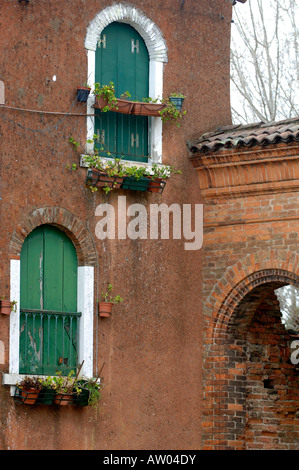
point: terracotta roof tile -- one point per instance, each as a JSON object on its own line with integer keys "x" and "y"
{"x": 248, "y": 135}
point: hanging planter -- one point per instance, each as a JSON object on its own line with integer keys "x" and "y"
{"x": 177, "y": 100}
{"x": 105, "y": 306}
{"x": 100, "y": 179}
{"x": 83, "y": 94}
{"x": 105, "y": 309}
{"x": 28, "y": 390}
{"x": 117, "y": 106}
{"x": 7, "y": 306}
{"x": 147, "y": 109}
{"x": 134, "y": 184}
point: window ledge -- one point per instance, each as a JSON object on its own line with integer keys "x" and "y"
{"x": 128, "y": 163}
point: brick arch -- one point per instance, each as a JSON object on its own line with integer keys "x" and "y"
{"x": 65, "y": 221}
{"x": 279, "y": 268}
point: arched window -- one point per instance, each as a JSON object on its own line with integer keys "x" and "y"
{"x": 151, "y": 36}
{"x": 49, "y": 321}
{"x": 122, "y": 58}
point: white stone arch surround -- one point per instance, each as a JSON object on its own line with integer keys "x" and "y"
{"x": 157, "y": 49}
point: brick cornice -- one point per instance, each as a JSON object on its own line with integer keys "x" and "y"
{"x": 232, "y": 173}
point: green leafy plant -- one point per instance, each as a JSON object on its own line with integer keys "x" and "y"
{"x": 108, "y": 297}
{"x": 177, "y": 95}
{"x": 171, "y": 114}
{"x": 93, "y": 387}
{"x": 163, "y": 171}
{"x": 107, "y": 92}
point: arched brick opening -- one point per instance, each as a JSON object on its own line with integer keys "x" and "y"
{"x": 65, "y": 221}
{"x": 250, "y": 384}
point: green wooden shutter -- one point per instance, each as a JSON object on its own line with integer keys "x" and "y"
{"x": 122, "y": 58}
{"x": 48, "y": 302}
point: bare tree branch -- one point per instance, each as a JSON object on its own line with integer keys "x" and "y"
{"x": 265, "y": 61}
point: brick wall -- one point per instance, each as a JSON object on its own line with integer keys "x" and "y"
{"x": 250, "y": 249}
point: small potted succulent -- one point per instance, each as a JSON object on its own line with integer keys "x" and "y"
{"x": 105, "y": 306}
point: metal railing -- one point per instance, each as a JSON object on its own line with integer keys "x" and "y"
{"x": 48, "y": 341}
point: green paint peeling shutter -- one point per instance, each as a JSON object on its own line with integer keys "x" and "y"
{"x": 48, "y": 302}
{"x": 122, "y": 58}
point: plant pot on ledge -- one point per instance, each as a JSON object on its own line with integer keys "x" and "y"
{"x": 134, "y": 184}
{"x": 156, "y": 185}
{"x": 100, "y": 179}
{"x": 7, "y": 306}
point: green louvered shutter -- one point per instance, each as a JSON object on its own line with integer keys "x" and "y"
{"x": 122, "y": 58}
{"x": 48, "y": 303}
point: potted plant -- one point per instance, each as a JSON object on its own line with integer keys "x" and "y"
{"x": 104, "y": 174}
{"x": 66, "y": 388}
{"x": 105, "y": 306}
{"x": 7, "y": 306}
{"x": 48, "y": 392}
{"x": 171, "y": 113}
{"x": 83, "y": 93}
{"x": 107, "y": 101}
{"x": 90, "y": 392}
{"x": 28, "y": 390}
{"x": 158, "y": 176}
{"x": 177, "y": 100}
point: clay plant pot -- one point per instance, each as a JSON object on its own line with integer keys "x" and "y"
{"x": 29, "y": 396}
{"x": 156, "y": 185}
{"x": 5, "y": 308}
{"x": 105, "y": 309}
{"x": 147, "y": 109}
{"x": 64, "y": 399}
{"x": 122, "y": 106}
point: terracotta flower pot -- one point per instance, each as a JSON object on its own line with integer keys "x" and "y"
{"x": 122, "y": 106}
{"x": 147, "y": 109}
{"x": 105, "y": 309}
{"x": 156, "y": 185}
{"x": 29, "y": 395}
{"x": 5, "y": 308}
{"x": 64, "y": 399}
